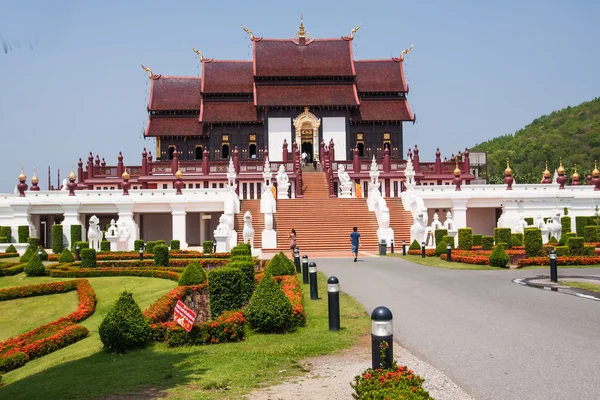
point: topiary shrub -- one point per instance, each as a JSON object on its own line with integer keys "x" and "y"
{"x": 247, "y": 268}
{"x": 269, "y": 309}
{"x": 42, "y": 254}
{"x": 161, "y": 255}
{"x": 225, "y": 289}
{"x": 75, "y": 235}
{"x": 589, "y": 251}
{"x": 561, "y": 251}
{"x": 6, "y": 232}
{"x": 590, "y": 234}
{"x": 533, "y": 242}
{"x": 502, "y": 235}
{"x": 415, "y": 245}
{"x": 439, "y": 235}
{"x": 23, "y": 233}
{"x": 88, "y": 258}
{"x": 565, "y": 222}
{"x": 28, "y": 253}
{"x": 4, "y": 239}
{"x": 34, "y": 267}
{"x": 499, "y": 258}
{"x": 192, "y": 275}
{"x": 33, "y": 242}
{"x": 465, "y": 238}
{"x": 242, "y": 258}
{"x": 449, "y": 240}
{"x": 105, "y": 245}
{"x": 518, "y": 236}
{"x": 242, "y": 249}
{"x": 138, "y": 244}
{"x": 487, "y": 242}
{"x": 575, "y": 245}
{"x": 175, "y": 244}
{"x": 280, "y": 265}
{"x": 477, "y": 240}
{"x": 515, "y": 241}
{"x": 440, "y": 247}
{"x": 529, "y": 221}
{"x": 82, "y": 245}
{"x": 503, "y": 245}
{"x": 207, "y": 247}
{"x": 581, "y": 222}
{"x": 11, "y": 249}
{"x": 124, "y": 327}
{"x": 66, "y": 257}
{"x": 57, "y": 238}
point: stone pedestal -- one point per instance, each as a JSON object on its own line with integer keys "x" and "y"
{"x": 282, "y": 191}
{"x": 222, "y": 243}
{"x": 346, "y": 191}
{"x": 269, "y": 239}
{"x": 113, "y": 242}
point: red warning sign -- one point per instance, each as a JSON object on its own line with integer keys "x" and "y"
{"x": 184, "y": 316}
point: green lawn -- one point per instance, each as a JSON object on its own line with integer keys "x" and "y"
{"x": 592, "y": 287}
{"x": 223, "y": 371}
{"x": 438, "y": 263}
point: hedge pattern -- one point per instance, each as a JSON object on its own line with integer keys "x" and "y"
{"x": 161, "y": 255}
{"x": 75, "y": 235}
{"x": 439, "y": 235}
{"x": 225, "y": 289}
{"x": 465, "y": 238}
{"x": 533, "y": 242}
{"x": 502, "y": 235}
{"x": 487, "y": 242}
{"x": 57, "y": 238}
{"x": 23, "y": 233}
{"x": 175, "y": 245}
{"x": 88, "y": 258}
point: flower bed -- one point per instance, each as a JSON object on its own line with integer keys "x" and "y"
{"x": 228, "y": 327}
{"x": 515, "y": 254}
{"x": 428, "y": 252}
{"x": 161, "y": 309}
{"x": 97, "y": 272}
{"x": 397, "y": 382}
{"x": 9, "y": 269}
{"x": 578, "y": 260}
{"x": 50, "y": 337}
{"x": 9, "y": 255}
{"x": 207, "y": 264}
{"x": 477, "y": 260}
{"x": 135, "y": 255}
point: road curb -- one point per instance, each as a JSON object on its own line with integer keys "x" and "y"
{"x": 543, "y": 282}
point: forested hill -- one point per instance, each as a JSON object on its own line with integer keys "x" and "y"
{"x": 572, "y": 133}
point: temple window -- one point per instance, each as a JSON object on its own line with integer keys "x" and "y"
{"x": 164, "y": 186}
{"x": 171, "y": 150}
{"x": 252, "y": 146}
{"x": 199, "y": 150}
{"x": 225, "y": 151}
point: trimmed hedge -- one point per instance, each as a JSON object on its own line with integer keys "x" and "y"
{"x": 151, "y": 245}
{"x": 75, "y": 235}
{"x": 589, "y": 251}
{"x": 193, "y": 274}
{"x": 448, "y": 240}
{"x": 57, "y": 238}
{"x": 529, "y": 221}
{"x": 34, "y": 267}
{"x": 105, "y": 245}
{"x": 174, "y": 244}
{"x": 565, "y": 222}
{"x": 88, "y": 258}
{"x": 161, "y": 255}
{"x": 138, "y": 244}
{"x": 575, "y": 245}
{"x": 487, "y": 242}
{"x": 11, "y": 249}
{"x": 440, "y": 247}
{"x": 533, "y": 242}
{"x": 242, "y": 258}
{"x": 33, "y": 241}
{"x": 465, "y": 238}
{"x": 225, "y": 289}
{"x": 553, "y": 240}
{"x": 561, "y": 251}
{"x": 82, "y": 245}
{"x": 279, "y": 265}
{"x": 124, "y": 327}
{"x": 269, "y": 309}
{"x": 23, "y": 233}
{"x": 515, "y": 241}
{"x": 242, "y": 249}
{"x": 247, "y": 268}
{"x": 499, "y": 258}
{"x": 591, "y": 234}
{"x": 415, "y": 245}
{"x": 502, "y": 235}
{"x": 66, "y": 257}
{"x": 207, "y": 246}
{"x": 477, "y": 240}
{"x": 580, "y": 224}
{"x": 439, "y": 235}
{"x": 6, "y": 232}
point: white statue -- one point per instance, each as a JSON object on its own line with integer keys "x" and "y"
{"x": 267, "y": 175}
{"x": 222, "y": 235}
{"x": 554, "y": 226}
{"x": 268, "y": 206}
{"x": 231, "y": 206}
{"x": 435, "y": 224}
{"x": 374, "y": 172}
{"x": 248, "y": 232}
{"x": 409, "y": 173}
{"x": 64, "y": 185}
{"x": 222, "y": 228}
{"x": 418, "y": 230}
{"x": 283, "y": 183}
{"x": 521, "y": 225}
{"x": 112, "y": 229}
{"x": 449, "y": 223}
{"x": 345, "y": 182}
{"x": 124, "y": 236}
{"x": 231, "y": 176}
{"x": 94, "y": 233}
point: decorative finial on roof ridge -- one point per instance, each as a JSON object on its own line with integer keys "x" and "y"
{"x": 148, "y": 70}
{"x": 354, "y": 31}
{"x": 404, "y": 52}
{"x": 301, "y": 32}
{"x": 248, "y": 31}
{"x": 199, "y": 53}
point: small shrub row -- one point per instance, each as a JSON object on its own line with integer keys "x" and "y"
{"x": 396, "y": 382}
{"x": 477, "y": 260}
{"x": 502, "y": 235}
{"x": 12, "y": 269}
{"x": 428, "y": 252}
{"x": 580, "y": 260}
{"x": 57, "y": 238}
{"x": 75, "y": 235}
{"x": 465, "y": 238}
{"x": 98, "y": 272}
{"x": 161, "y": 309}
{"x": 229, "y": 327}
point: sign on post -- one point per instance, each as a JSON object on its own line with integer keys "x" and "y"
{"x": 184, "y": 316}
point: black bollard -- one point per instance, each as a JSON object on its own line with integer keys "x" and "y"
{"x": 382, "y": 338}
{"x": 305, "y": 269}
{"x": 77, "y": 250}
{"x": 423, "y": 250}
{"x": 141, "y": 253}
{"x": 392, "y": 245}
{"x": 448, "y": 252}
{"x": 214, "y": 246}
{"x": 403, "y": 247}
{"x": 314, "y": 290}
{"x": 553, "y": 269}
{"x": 333, "y": 303}
{"x": 40, "y": 254}
{"x": 297, "y": 260}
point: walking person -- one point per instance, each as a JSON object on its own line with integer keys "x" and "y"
{"x": 355, "y": 239}
{"x": 292, "y": 237}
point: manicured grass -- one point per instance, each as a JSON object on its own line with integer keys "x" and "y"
{"x": 22, "y": 315}
{"x": 438, "y": 263}
{"x": 222, "y": 371}
{"x": 592, "y": 287}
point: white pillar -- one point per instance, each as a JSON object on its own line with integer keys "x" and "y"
{"x": 71, "y": 214}
{"x": 20, "y": 217}
{"x": 179, "y": 224}
{"x": 459, "y": 213}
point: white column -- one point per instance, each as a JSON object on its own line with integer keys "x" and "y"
{"x": 202, "y": 228}
{"x": 179, "y": 224}
{"x": 510, "y": 214}
{"x": 459, "y": 213}
{"x": 71, "y": 214}
{"x": 20, "y": 217}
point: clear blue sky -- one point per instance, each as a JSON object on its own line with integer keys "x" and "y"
{"x": 71, "y": 83}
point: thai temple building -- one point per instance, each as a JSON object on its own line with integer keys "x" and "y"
{"x": 302, "y": 136}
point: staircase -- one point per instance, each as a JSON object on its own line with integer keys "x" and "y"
{"x": 258, "y": 221}
{"x": 400, "y": 221}
{"x": 314, "y": 185}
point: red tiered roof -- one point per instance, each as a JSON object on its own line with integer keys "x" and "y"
{"x": 173, "y": 126}
{"x": 228, "y": 111}
{"x": 320, "y": 57}
{"x": 384, "y": 110}
{"x": 227, "y": 77}
{"x": 174, "y": 93}
{"x": 379, "y": 76}
{"x": 306, "y": 95}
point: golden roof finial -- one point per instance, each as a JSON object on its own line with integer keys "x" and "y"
{"x": 404, "y": 52}
{"x": 148, "y": 70}
{"x": 125, "y": 175}
{"x": 34, "y": 178}
{"x": 595, "y": 172}
{"x": 546, "y": 172}
{"x": 301, "y": 32}
{"x": 456, "y": 170}
{"x": 248, "y": 31}
{"x": 508, "y": 170}
{"x": 179, "y": 174}
{"x": 575, "y": 173}
{"x": 561, "y": 168}
{"x": 199, "y": 53}
{"x": 72, "y": 175}
{"x": 354, "y": 31}
{"x": 22, "y": 176}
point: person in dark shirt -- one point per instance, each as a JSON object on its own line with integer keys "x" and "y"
{"x": 355, "y": 239}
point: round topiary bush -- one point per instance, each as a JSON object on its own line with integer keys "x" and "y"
{"x": 192, "y": 275}
{"x": 269, "y": 309}
{"x": 440, "y": 248}
{"x": 280, "y": 265}
{"x": 415, "y": 245}
{"x": 161, "y": 255}
{"x": 499, "y": 258}
{"x": 66, "y": 256}
{"x": 34, "y": 267}
{"x": 124, "y": 327}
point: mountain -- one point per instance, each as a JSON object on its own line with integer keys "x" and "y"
{"x": 572, "y": 133}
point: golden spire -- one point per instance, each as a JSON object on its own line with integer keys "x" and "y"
{"x": 507, "y": 171}
{"x": 72, "y": 175}
{"x": 179, "y": 174}
{"x": 404, "y": 52}
{"x": 595, "y": 172}
{"x": 546, "y": 172}
{"x": 354, "y": 31}
{"x": 125, "y": 174}
{"x": 301, "y": 32}
{"x": 561, "y": 168}
{"x": 148, "y": 70}
{"x": 456, "y": 170}
{"x": 22, "y": 176}
{"x": 199, "y": 53}
{"x": 575, "y": 173}
{"x": 248, "y": 31}
{"x": 34, "y": 179}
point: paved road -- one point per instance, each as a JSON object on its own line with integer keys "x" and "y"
{"x": 496, "y": 339}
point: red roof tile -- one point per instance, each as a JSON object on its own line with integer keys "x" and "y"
{"x": 306, "y": 95}
{"x": 228, "y": 111}
{"x": 379, "y": 76}
{"x": 321, "y": 57}
{"x": 173, "y": 126}
{"x": 384, "y": 110}
{"x": 227, "y": 77}
{"x": 174, "y": 93}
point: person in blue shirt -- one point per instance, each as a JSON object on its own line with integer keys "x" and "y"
{"x": 355, "y": 239}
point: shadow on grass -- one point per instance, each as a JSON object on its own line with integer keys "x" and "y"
{"x": 149, "y": 371}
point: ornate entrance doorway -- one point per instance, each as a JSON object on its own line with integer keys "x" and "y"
{"x": 307, "y": 134}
